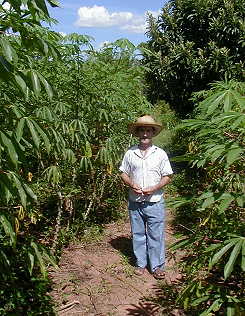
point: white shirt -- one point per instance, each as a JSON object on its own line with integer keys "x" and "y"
{"x": 146, "y": 170}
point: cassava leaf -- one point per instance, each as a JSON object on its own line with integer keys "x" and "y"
{"x": 232, "y": 259}
{"x": 222, "y": 251}
{"x": 8, "y": 229}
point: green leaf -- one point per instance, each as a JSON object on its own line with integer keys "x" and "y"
{"x": 243, "y": 256}
{"x": 8, "y": 50}
{"x": 20, "y": 129}
{"x": 53, "y": 174}
{"x": 54, "y": 3}
{"x": 35, "y": 81}
{"x": 21, "y": 83}
{"x": 207, "y": 202}
{"x": 212, "y": 247}
{"x": 216, "y": 100}
{"x": 7, "y": 186}
{"x": 50, "y": 259}
{"x": 227, "y": 102}
{"x": 33, "y": 132}
{"x": 225, "y": 202}
{"x": 9, "y": 147}
{"x": 180, "y": 244}
{"x": 88, "y": 150}
{"x": 42, "y": 6}
{"x": 8, "y": 229}
{"x": 200, "y": 300}
{"x": 47, "y": 86}
{"x": 239, "y": 122}
{"x": 5, "y": 260}
{"x": 6, "y": 67}
{"x": 221, "y": 252}
{"x": 43, "y": 135}
{"x": 214, "y": 307}
{"x": 232, "y": 260}
{"x": 233, "y": 155}
{"x": 231, "y": 311}
{"x": 85, "y": 164}
{"x": 31, "y": 262}
{"x": 29, "y": 191}
{"x": 124, "y": 44}
{"x": 21, "y": 191}
{"x": 39, "y": 259}
{"x": 69, "y": 156}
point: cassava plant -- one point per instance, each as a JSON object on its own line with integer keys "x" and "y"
{"x": 59, "y": 144}
{"x": 215, "y": 247}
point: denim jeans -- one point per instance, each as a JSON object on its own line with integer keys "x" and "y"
{"x": 147, "y": 226}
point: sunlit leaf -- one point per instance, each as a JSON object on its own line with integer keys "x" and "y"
{"x": 243, "y": 257}
{"x": 8, "y": 50}
{"x": 31, "y": 262}
{"x": 233, "y": 155}
{"x": 39, "y": 259}
{"x": 21, "y": 82}
{"x": 232, "y": 259}
{"x": 33, "y": 132}
{"x": 222, "y": 251}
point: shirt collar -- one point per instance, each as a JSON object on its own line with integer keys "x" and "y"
{"x": 151, "y": 150}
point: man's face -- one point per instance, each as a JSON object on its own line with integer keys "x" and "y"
{"x": 145, "y": 134}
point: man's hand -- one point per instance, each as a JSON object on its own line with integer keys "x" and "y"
{"x": 149, "y": 190}
{"x": 136, "y": 188}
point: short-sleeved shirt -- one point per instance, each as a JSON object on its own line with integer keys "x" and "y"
{"x": 146, "y": 170}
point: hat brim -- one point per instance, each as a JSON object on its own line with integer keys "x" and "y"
{"x": 132, "y": 128}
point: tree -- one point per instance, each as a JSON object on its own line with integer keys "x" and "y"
{"x": 191, "y": 44}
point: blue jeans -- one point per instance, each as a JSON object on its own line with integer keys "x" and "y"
{"x": 147, "y": 226}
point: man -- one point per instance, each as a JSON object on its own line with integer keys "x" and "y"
{"x": 146, "y": 170}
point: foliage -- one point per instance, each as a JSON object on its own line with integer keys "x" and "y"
{"x": 63, "y": 110}
{"x": 20, "y": 258}
{"x": 191, "y": 44}
{"x": 214, "y": 263}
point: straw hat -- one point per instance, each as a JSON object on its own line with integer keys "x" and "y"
{"x": 145, "y": 121}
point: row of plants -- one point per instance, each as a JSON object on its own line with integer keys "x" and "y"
{"x": 195, "y": 62}
{"x": 64, "y": 108}
{"x": 211, "y": 212}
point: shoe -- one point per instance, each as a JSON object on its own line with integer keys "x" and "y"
{"x": 158, "y": 274}
{"x": 139, "y": 271}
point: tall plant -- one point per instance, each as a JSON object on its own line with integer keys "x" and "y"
{"x": 59, "y": 142}
{"x": 21, "y": 134}
{"x": 215, "y": 254}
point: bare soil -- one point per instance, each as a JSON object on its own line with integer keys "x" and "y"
{"x": 97, "y": 279}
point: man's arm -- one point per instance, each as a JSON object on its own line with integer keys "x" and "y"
{"x": 127, "y": 180}
{"x": 164, "y": 181}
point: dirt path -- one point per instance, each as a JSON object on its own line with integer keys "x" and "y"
{"x": 97, "y": 279}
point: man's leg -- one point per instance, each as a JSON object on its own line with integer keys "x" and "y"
{"x": 155, "y": 235}
{"x": 138, "y": 232}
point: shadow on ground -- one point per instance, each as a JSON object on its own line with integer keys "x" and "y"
{"x": 124, "y": 245}
{"x": 144, "y": 309}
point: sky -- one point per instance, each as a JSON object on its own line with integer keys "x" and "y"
{"x": 105, "y": 20}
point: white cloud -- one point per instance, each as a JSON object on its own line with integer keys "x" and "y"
{"x": 134, "y": 28}
{"x": 99, "y": 16}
